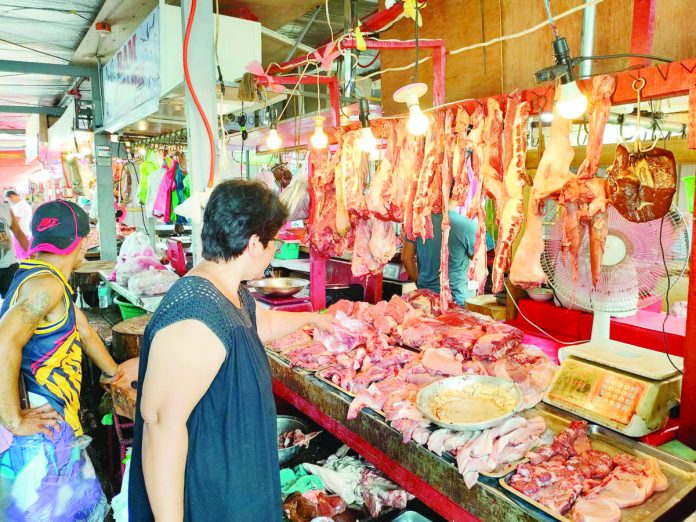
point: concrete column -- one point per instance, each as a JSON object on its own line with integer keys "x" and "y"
{"x": 105, "y": 183}
{"x": 203, "y": 75}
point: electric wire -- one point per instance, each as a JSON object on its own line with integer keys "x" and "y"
{"x": 547, "y": 334}
{"x": 548, "y": 11}
{"x": 197, "y": 103}
{"x": 669, "y": 286}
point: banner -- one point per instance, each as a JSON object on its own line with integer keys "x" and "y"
{"x": 131, "y": 79}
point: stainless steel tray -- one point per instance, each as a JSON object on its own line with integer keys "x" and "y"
{"x": 427, "y": 394}
{"x": 681, "y": 475}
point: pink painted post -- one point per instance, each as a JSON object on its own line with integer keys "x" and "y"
{"x": 439, "y": 54}
{"x": 317, "y": 278}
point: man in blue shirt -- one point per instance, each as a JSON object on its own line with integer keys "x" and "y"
{"x": 421, "y": 259}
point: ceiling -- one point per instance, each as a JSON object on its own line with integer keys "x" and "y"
{"x": 63, "y": 32}
{"x": 46, "y": 31}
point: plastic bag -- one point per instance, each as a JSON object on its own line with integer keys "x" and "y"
{"x": 137, "y": 244}
{"x": 119, "y": 503}
{"x": 50, "y": 479}
{"x": 136, "y": 265}
{"x": 266, "y": 177}
{"x": 296, "y": 197}
{"x": 152, "y": 282}
{"x": 136, "y": 255}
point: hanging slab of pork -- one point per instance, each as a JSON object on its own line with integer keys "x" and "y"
{"x": 551, "y": 176}
{"x": 584, "y": 198}
{"x": 642, "y": 184}
{"x": 514, "y": 178}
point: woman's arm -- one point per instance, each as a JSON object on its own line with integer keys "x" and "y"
{"x": 176, "y": 378}
{"x": 272, "y": 325}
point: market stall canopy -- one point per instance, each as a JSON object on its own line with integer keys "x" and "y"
{"x": 14, "y": 170}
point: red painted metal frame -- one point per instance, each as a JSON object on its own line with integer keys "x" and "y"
{"x": 642, "y": 30}
{"x": 374, "y": 22}
{"x": 412, "y": 483}
{"x": 439, "y": 54}
{"x": 332, "y": 82}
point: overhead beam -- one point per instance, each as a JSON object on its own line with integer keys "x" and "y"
{"x": 51, "y": 69}
{"x": 32, "y": 109}
{"x": 284, "y": 39}
{"x": 302, "y": 34}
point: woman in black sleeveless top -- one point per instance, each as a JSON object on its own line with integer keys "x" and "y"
{"x": 205, "y": 444}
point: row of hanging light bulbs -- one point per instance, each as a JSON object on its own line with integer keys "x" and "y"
{"x": 417, "y": 121}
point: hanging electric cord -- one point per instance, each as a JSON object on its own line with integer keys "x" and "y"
{"x": 527, "y": 31}
{"x": 293, "y": 92}
{"x": 328, "y": 19}
{"x": 192, "y": 91}
{"x": 553, "y": 24}
{"x": 539, "y": 327}
{"x": 369, "y": 64}
{"x": 669, "y": 286}
{"x": 416, "y": 18}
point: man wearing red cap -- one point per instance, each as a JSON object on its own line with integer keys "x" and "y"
{"x": 42, "y": 337}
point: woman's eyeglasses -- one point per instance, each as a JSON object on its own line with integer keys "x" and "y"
{"x": 278, "y": 244}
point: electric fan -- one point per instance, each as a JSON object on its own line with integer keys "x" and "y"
{"x": 618, "y": 385}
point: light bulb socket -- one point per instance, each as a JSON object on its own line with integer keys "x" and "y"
{"x": 561, "y": 53}
{"x": 364, "y": 113}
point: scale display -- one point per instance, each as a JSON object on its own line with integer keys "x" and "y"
{"x": 602, "y": 392}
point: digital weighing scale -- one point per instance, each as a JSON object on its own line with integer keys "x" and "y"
{"x": 620, "y": 386}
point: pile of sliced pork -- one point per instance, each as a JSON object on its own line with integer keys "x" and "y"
{"x": 385, "y": 353}
{"x": 569, "y": 475}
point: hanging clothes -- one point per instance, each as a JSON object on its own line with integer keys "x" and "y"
{"x": 153, "y": 185}
{"x": 150, "y": 164}
{"x": 163, "y": 202}
{"x": 178, "y": 195}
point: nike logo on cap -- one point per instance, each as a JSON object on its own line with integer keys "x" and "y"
{"x": 47, "y": 223}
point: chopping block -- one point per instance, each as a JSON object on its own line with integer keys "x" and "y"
{"x": 128, "y": 337}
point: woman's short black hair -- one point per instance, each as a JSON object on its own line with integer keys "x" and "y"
{"x": 238, "y": 209}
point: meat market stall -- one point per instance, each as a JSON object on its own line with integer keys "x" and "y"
{"x": 471, "y": 151}
{"x": 362, "y": 384}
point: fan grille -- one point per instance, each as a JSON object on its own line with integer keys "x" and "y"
{"x": 636, "y": 281}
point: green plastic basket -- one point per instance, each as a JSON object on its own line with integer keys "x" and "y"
{"x": 128, "y": 310}
{"x": 689, "y": 186}
{"x": 289, "y": 251}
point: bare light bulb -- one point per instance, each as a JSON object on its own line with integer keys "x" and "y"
{"x": 273, "y": 141}
{"x": 417, "y": 121}
{"x": 319, "y": 139}
{"x": 572, "y": 103}
{"x": 368, "y": 142}
{"x": 546, "y": 117}
{"x": 142, "y": 151}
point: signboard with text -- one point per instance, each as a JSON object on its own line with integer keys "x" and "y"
{"x": 131, "y": 79}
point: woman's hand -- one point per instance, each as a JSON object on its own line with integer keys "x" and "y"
{"x": 324, "y": 322}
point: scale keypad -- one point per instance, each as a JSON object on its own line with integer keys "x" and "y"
{"x": 604, "y": 393}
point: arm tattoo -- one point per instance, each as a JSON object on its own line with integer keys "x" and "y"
{"x": 35, "y": 310}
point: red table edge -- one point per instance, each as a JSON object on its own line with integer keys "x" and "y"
{"x": 415, "y": 485}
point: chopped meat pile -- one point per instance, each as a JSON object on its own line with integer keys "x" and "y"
{"x": 365, "y": 357}
{"x": 295, "y": 438}
{"x": 569, "y": 474}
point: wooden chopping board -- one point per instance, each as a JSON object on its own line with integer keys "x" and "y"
{"x": 487, "y": 305}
